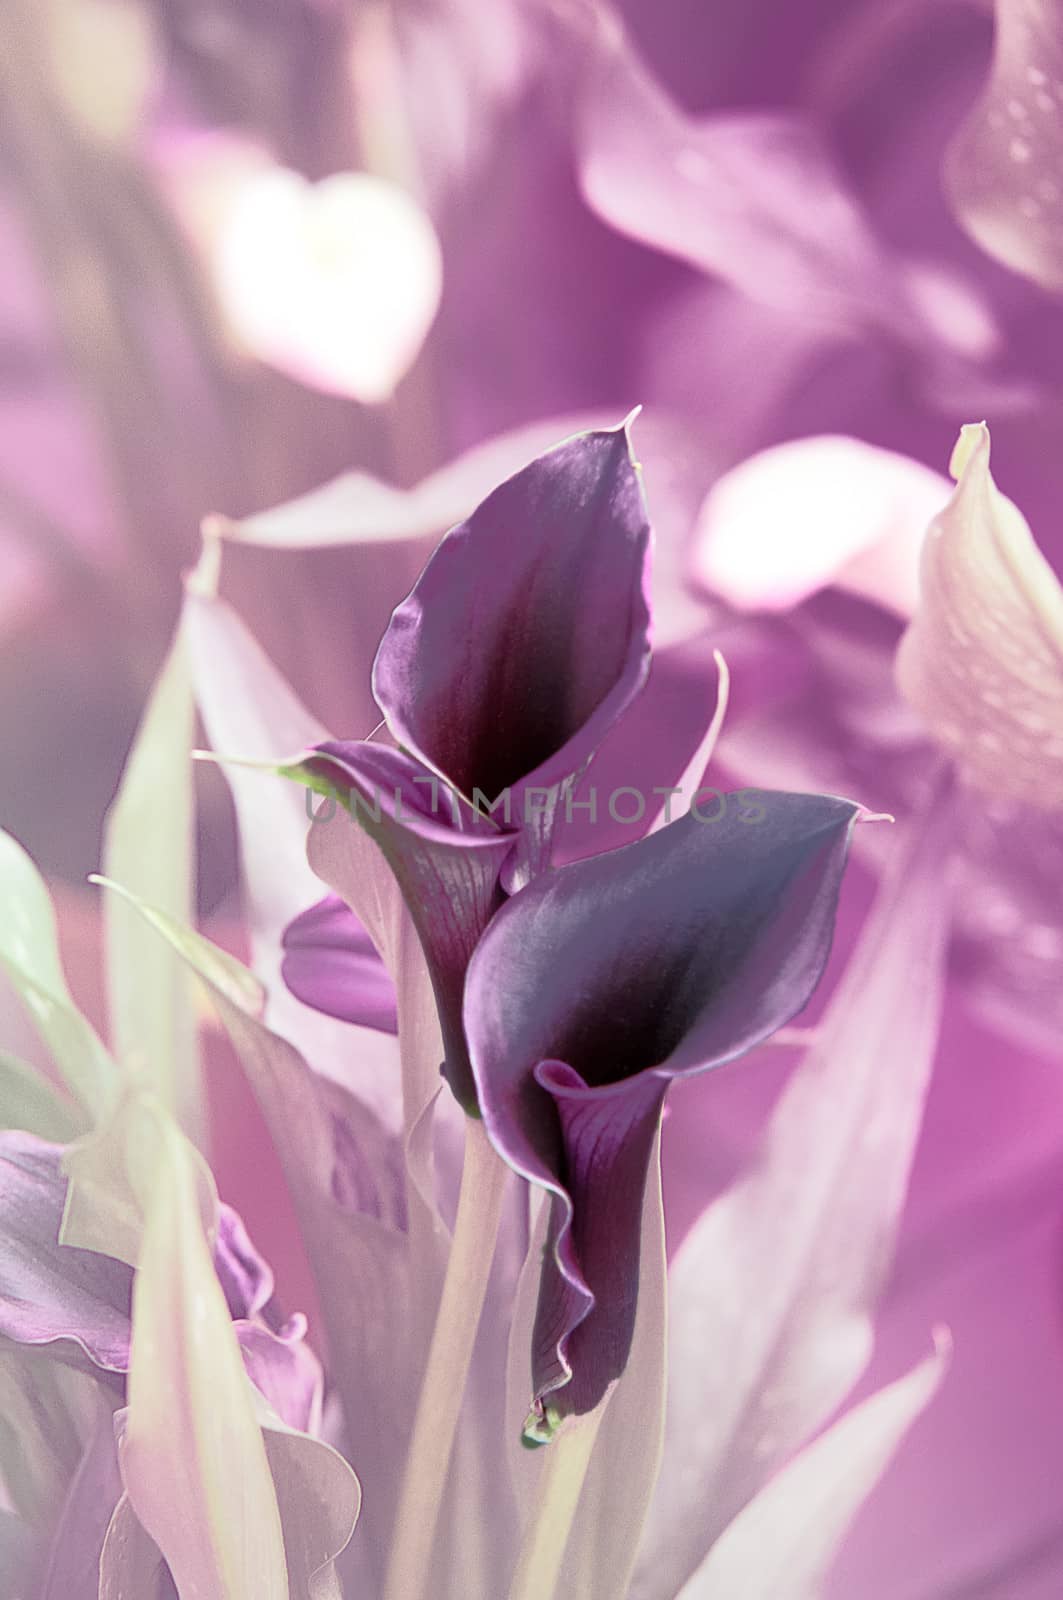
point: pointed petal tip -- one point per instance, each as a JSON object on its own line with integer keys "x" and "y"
{"x": 972, "y": 442}
{"x": 204, "y": 578}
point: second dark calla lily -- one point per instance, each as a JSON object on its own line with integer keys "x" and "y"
{"x": 597, "y": 986}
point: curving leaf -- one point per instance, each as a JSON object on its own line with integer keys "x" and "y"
{"x": 29, "y": 951}
{"x": 17, "y": 1555}
{"x": 319, "y": 1499}
{"x": 351, "y": 1207}
{"x": 72, "y": 1568}
{"x": 148, "y": 845}
{"x": 251, "y": 712}
{"x": 48, "y": 1412}
{"x": 1002, "y": 172}
{"x": 28, "y": 1101}
{"x": 785, "y": 1539}
{"x": 772, "y": 1290}
{"x": 982, "y": 662}
{"x": 358, "y": 509}
{"x": 192, "y": 1458}
{"x": 111, "y": 1174}
{"x": 131, "y": 1563}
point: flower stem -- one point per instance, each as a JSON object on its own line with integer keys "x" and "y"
{"x": 560, "y": 1487}
{"x": 483, "y": 1182}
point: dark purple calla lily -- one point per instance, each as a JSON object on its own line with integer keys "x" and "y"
{"x": 590, "y": 992}
{"x": 80, "y": 1302}
{"x": 330, "y": 963}
{"x": 527, "y": 634}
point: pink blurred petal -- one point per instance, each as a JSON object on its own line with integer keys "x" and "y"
{"x": 983, "y": 660}
{"x": 192, "y": 1434}
{"x": 813, "y": 512}
{"x": 334, "y": 283}
{"x": 1003, "y": 172}
{"x": 753, "y": 198}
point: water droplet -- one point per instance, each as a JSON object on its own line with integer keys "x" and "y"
{"x": 1017, "y": 111}
{"x": 1030, "y": 207}
{"x": 1019, "y": 150}
{"x": 1036, "y": 76}
{"x": 1044, "y": 101}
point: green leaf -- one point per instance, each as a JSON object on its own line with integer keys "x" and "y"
{"x": 29, "y": 953}
{"x": 28, "y": 1101}
{"x": 149, "y": 847}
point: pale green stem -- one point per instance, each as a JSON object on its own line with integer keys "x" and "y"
{"x": 560, "y": 1487}
{"x": 483, "y": 1182}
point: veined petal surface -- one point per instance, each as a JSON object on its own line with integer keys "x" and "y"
{"x": 982, "y": 662}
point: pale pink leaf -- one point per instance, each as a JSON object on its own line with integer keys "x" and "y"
{"x": 772, "y": 1291}
{"x": 784, "y": 1541}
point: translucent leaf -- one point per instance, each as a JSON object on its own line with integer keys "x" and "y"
{"x": 193, "y": 1459}
{"x": 251, "y": 713}
{"x": 148, "y": 846}
{"x": 29, "y": 951}
{"x": 351, "y": 1210}
{"x": 772, "y": 1290}
{"x": 47, "y": 1415}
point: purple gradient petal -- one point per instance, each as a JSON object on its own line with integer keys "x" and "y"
{"x": 445, "y": 857}
{"x": 51, "y": 1292}
{"x": 246, "y": 1278}
{"x": 283, "y": 1369}
{"x": 607, "y": 1140}
{"x": 330, "y": 963}
{"x": 527, "y": 634}
{"x": 599, "y": 984}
